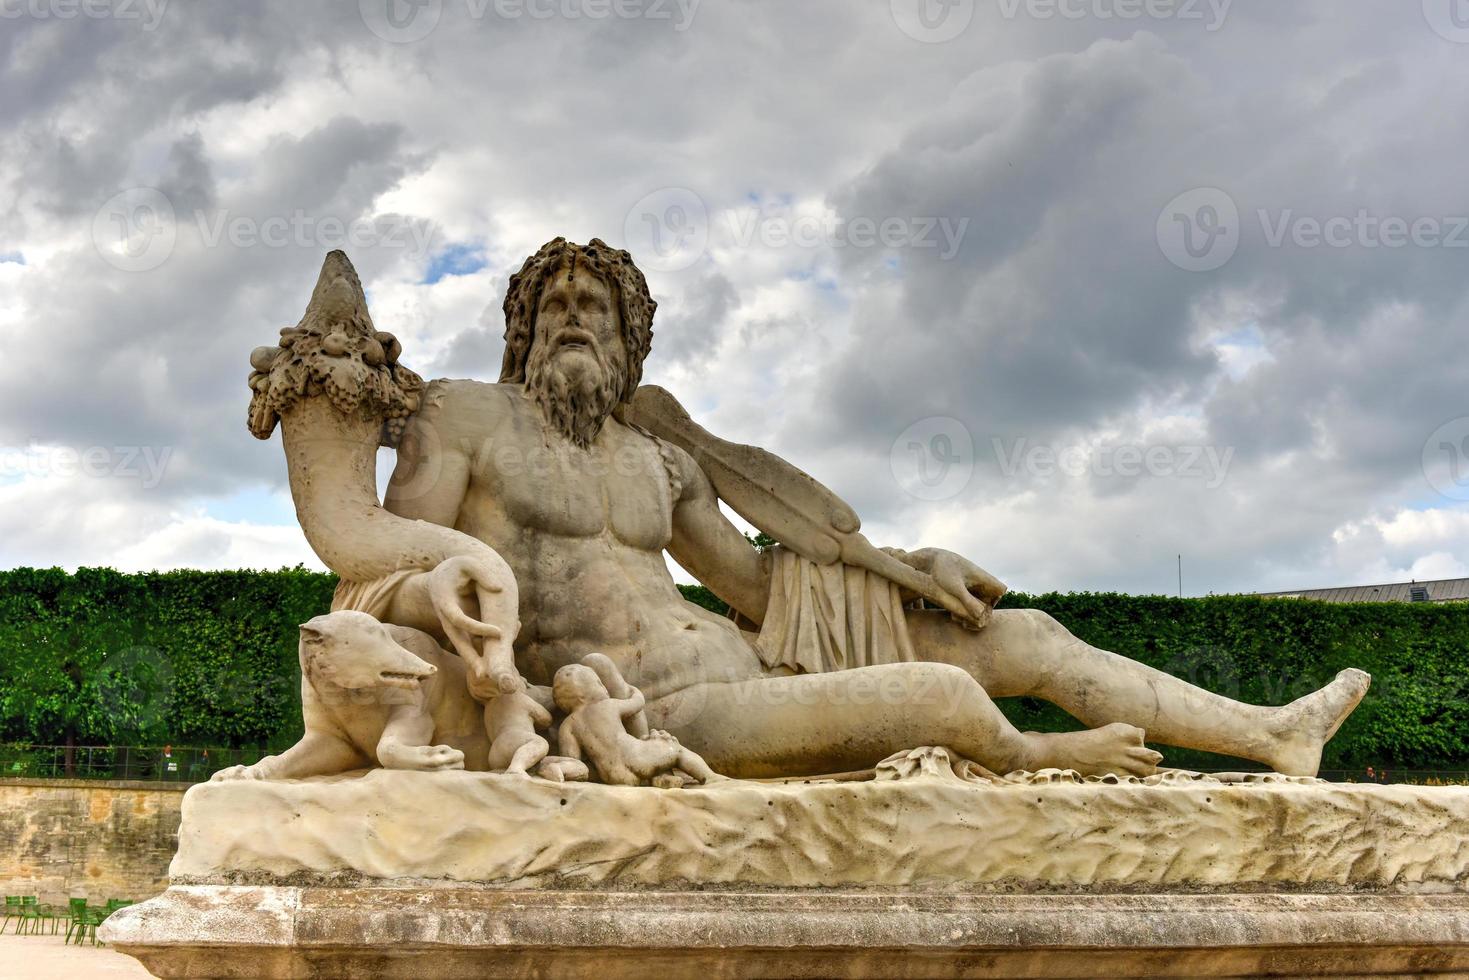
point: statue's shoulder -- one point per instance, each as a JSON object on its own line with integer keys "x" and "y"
{"x": 462, "y": 404}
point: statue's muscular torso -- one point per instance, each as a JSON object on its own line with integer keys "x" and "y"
{"x": 583, "y": 531}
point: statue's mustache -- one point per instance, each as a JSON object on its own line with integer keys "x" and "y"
{"x": 575, "y": 336}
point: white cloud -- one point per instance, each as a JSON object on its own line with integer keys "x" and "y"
{"x": 1058, "y": 320}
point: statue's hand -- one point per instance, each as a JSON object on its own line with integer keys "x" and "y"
{"x": 974, "y": 588}
{"x": 459, "y": 589}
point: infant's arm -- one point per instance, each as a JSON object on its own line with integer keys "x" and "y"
{"x": 539, "y": 716}
{"x": 566, "y": 743}
{"x": 630, "y": 705}
{"x": 618, "y": 688}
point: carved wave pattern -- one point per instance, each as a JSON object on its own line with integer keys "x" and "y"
{"x": 926, "y": 832}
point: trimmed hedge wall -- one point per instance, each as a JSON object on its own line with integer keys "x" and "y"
{"x": 210, "y": 658}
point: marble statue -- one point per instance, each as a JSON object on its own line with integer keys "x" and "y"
{"x": 560, "y": 488}
{"x": 543, "y": 724}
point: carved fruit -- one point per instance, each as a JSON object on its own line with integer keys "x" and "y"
{"x": 373, "y": 354}
{"x": 391, "y": 346}
{"x": 263, "y": 358}
{"x": 335, "y": 344}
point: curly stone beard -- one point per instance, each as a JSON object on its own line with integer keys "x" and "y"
{"x": 575, "y": 403}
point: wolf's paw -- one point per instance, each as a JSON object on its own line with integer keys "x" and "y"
{"x": 234, "y": 773}
{"x": 428, "y": 758}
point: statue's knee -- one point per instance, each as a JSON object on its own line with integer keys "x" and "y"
{"x": 942, "y": 689}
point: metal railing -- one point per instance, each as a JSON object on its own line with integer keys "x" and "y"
{"x": 175, "y": 763}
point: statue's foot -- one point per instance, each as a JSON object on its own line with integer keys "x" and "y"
{"x": 1116, "y": 748}
{"x": 1307, "y": 724}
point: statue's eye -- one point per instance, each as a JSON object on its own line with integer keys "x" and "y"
{"x": 554, "y": 305}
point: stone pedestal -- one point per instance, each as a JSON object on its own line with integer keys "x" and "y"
{"x": 451, "y": 933}
{"x": 395, "y": 874}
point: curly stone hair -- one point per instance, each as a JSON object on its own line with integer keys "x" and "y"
{"x": 614, "y": 267}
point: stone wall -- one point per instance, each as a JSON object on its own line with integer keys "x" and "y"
{"x": 61, "y": 838}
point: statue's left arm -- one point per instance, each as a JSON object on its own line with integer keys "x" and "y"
{"x": 712, "y": 549}
{"x": 804, "y": 516}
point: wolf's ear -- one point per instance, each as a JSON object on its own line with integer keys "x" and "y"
{"x": 311, "y": 636}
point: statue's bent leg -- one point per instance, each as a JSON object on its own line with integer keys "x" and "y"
{"x": 1026, "y": 652}
{"x": 852, "y": 719}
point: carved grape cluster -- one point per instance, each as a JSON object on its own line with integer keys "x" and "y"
{"x": 335, "y": 352}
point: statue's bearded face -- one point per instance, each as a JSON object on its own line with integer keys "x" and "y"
{"x": 577, "y": 367}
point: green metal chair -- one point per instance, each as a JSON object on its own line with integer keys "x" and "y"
{"x": 30, "y": 918}
{"x": 88, "y": 923}
{"x": 12, "y": 910}
{"x": 45, "y": 914}
{"x": 75, "y": 908}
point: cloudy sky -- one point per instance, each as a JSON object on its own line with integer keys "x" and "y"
{"x": 1069, "y": 286}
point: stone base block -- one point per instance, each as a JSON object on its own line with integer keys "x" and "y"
{"x": 449, "y": 933}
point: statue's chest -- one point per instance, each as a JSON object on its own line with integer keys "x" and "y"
{"x": 577, "y": 494}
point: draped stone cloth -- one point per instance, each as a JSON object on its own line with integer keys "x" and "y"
{"x": 831, "y": 617}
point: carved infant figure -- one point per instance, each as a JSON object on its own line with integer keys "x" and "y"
{"x": 377, "y": 695}
{"x": 595, "y": 727}
{"x": 511, "y": 720}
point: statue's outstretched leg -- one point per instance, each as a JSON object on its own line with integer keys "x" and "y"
{"x": 1026, "y": 652}
{"x": 852, "y": 719}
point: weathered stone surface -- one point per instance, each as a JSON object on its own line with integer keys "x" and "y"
{"x": 86, "y": 838}
{"x": 453, "y": 932}
{"x": 924, "y": 832}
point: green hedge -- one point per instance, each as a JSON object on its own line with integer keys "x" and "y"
{"x": 204, "y": 658}
{"x": 209, "y": 658}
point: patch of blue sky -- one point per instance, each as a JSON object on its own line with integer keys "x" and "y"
{"x": 456, "y": 259}
{"x": 255, "y": 505}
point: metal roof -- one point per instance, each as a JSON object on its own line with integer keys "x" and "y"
{"x": 1443, "y": 590}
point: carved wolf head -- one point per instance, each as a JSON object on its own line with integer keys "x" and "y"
{"x": 352, "y": 650}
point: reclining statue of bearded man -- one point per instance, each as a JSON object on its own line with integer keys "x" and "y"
{"x": 557, "y": 471}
